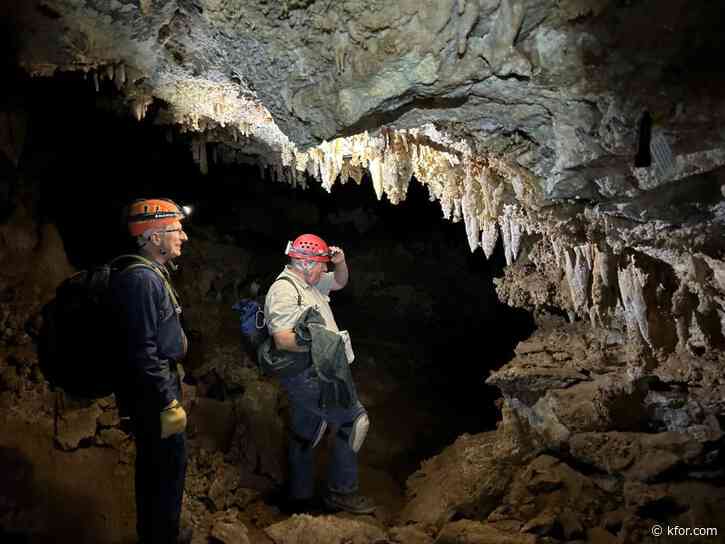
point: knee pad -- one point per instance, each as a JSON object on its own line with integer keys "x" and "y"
{"x": 355, "y": 432}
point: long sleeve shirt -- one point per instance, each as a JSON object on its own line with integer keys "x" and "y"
{"x": 150, "y": 328}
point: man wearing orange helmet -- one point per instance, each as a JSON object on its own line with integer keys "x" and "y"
{"x": 148, "y": 313}
{"x": 284, "y": 306}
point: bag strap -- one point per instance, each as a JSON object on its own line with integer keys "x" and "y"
{"x": 288, "y": 280}
{"x": 145, "y": 263}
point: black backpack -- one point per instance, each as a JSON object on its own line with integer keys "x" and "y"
{"x": 252, "y": 323}
{"x": 77, "y": 345}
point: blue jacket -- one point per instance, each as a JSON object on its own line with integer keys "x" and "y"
{"x": 152, "y": 339}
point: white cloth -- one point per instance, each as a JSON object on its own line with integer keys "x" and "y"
{"x": 348, "y": 347}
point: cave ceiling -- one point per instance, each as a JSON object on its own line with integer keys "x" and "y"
{"x": 580, "y": 123}
{"x": 556, "y": 87}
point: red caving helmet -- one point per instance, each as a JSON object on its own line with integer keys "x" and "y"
{"x": 308, "y": 247}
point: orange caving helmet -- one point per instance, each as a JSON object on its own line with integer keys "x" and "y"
{"x": 149, "y": 213}
{"x": 310, "y": 248}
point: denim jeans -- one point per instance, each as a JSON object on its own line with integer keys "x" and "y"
{"x": 160, "y": 475}
{"x": 306, "y": 417}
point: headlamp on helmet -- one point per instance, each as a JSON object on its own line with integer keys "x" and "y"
{"x": 153, "y": 213}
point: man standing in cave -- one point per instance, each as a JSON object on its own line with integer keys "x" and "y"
{"x": 307, "y": 285}
{"x": 154, "y": 342}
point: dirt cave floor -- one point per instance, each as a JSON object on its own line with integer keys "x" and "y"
{"x": 69, "y": 467}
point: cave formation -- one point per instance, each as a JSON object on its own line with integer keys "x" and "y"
{"x": 531, "y": 196}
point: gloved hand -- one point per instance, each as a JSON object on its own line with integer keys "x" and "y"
{"x": 173, "y": 419}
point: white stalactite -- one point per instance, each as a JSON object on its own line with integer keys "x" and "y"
{"x": 489, "y": 237}
{"x": 632, "y": 281}
{"x": 470, "y": 220}
{"x": 467, "y": 186}
{"x": 375, "y": 166}
{"x": 511, "y": 233}
{"x": 578, "y": 271}
{"x": 505, "y": 223}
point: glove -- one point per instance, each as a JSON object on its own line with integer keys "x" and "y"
{"x": 173, "y": 420}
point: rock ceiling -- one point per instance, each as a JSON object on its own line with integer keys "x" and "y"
{"x": 585, "y": 134}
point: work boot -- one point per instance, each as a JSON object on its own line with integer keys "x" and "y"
{"x": 353, "y": 503}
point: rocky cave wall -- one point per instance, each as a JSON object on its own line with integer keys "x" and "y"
{"x": 583, "y": 137}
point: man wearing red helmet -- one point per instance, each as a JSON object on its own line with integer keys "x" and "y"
{"x": 284, "y": 305}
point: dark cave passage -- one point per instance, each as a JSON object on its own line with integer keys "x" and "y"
{"x": 425, "y": 320}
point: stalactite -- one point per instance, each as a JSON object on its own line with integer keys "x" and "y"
{"x": 203, "y": 164}
{"x": 96, "y": 84}
{"x": 603, "y": 288}
{"x": 506, "y": 238}
{"x": 119, "y": 78}
{"x": 683, "y": 304}
{"x": 632, "y": 281}
{"x": 510, "y": 232}
{"x": 578, "y": 271}
{"x": 515, "y": 232}
{"x": 470, "y": 220}
{"x": 468, "y": 187}
{"x": 489, "y": 237}
{"x": 138, "y": 110}
{"x": 376, "y": 175}
{"x": 198, "y": 153}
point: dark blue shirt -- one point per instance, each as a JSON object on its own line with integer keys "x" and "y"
{"x": 152, "y": 336}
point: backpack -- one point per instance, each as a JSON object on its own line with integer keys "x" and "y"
{"x": 77, "y": 346}
{"x": 253, "y": 324}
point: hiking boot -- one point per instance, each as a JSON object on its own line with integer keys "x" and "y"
{"x": 353, "y": 503}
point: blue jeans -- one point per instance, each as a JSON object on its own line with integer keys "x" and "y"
{"x": 306, "y": 417}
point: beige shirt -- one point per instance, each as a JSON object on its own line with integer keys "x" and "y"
{"x": 280, "y": 306}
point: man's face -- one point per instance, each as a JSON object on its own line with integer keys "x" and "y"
{"x": 172, "y": 238}
{"x": 315, "y": 272}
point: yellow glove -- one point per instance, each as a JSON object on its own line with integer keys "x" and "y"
{"x": 173, "y": 420}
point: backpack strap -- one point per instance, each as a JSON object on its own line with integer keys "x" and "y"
{"x": 145, "y": 263}
{"x": 288, "y": 280}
